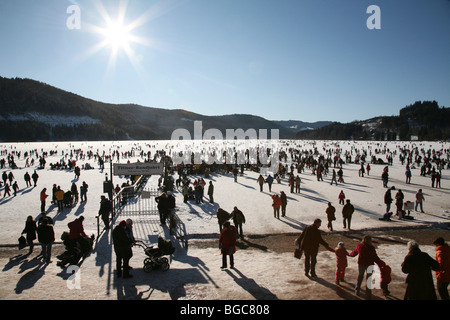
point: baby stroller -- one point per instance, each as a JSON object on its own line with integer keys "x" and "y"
{"x": 68, "y": 199}
{"x": 155, "y": 255}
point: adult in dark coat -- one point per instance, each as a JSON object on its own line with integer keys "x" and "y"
{"x": 227, "y": 241}
{"x": 122, "y": 248}
{"x": 330, "y": 211}
{"x": 211, "y": 192}
{"x": 238, "y": 219}
{"x": 54, "y": 189}
{"x": 30, "y": 231}
{"x": 347, "y": 213}
{"x": 105, "y": 209}
{"x": 309, "y": 241}
{"x": 43, "y": 217}
{"x": 163, "y": 207}
{"x": 46, "y": 237}
{"x": 418, "y": 266}
{"x": 283, "y": 198}
{"x": 35, "y": 177}
{"x": 222, "y": 217}
{"x": 27, "y": 179}
{"x": 388, "y": 198}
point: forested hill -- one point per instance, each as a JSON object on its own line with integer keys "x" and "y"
{"x": 423, "y": 120}
{"x": 34, "y": 111}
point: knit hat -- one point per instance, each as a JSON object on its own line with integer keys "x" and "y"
{"x": 340, "y": 244}
{"x": 122, "y": 223}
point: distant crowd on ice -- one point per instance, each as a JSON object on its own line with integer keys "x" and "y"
{"x": 293, "y": 161}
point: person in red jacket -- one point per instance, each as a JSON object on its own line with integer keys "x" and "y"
{"x": 341, "y": 261}
{"x": 443, "y": 274}
{"x": 341, "y": 197}
{"x": 76, "y": 228}
{"x": 385, "y": 271}
{"x": 367, "y": 256}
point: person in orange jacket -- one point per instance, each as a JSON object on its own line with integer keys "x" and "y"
{"x": 276, "y": 206}
{"x": 43, "y": 197}
{"x": 443, "y": 274}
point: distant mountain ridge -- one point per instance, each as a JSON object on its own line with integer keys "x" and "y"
{"x": 34, "y": 111}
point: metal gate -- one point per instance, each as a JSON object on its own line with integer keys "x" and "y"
{"x": 135, "y": 202}
{"x": 141, "y": 204}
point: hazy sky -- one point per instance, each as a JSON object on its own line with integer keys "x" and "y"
{"x": 306, "y": 60}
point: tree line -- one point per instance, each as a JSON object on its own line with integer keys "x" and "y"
{"x": 423, "y": 120}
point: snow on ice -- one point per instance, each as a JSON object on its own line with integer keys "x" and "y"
{"x": 259, "y": 274}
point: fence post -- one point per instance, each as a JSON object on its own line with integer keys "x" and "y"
{"x": 98, "y": 228}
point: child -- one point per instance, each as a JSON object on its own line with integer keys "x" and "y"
{"x": 385, "y": 278}
{"x": 341, "y": 197}
{"x": 341, "y": 261}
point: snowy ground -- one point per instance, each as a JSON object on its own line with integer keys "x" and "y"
{"x": 194, "y": 272}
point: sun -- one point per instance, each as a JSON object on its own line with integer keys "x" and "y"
{"x": 117, "y": 32}
{"x": 117, "y": 35}
{"x": 123, "y": 36}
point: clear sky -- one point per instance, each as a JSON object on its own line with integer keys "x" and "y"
{"x": 306, "y": 60}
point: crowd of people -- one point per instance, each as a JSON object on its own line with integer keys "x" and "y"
{"x": 42, "y": 230}
{"x": 417, "y": 265}
{"x": 319, "y": 163}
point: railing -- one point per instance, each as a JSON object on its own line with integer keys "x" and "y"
{"x": 120, "y": 199}
{"x": 142, "y": 205}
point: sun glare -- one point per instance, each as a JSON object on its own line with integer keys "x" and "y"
{"x": 117, "y": 35}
